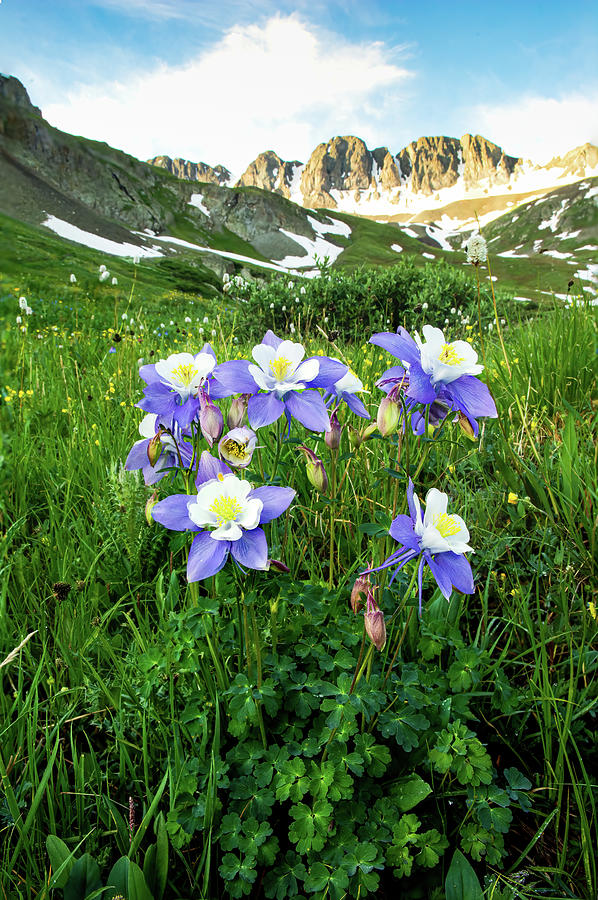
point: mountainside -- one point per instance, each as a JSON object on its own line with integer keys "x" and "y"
{"x": 191, "y": 171}
{"x": 423, "y": 177}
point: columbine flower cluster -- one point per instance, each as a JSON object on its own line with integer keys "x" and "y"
{"x": 181, "y": 401}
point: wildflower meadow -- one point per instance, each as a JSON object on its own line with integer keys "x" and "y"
{"x": 298, "y": 589}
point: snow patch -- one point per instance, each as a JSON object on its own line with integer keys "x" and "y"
{"x": 512, "y": 255}
{"x": 225, "y": 253}
{"x": 396, "y": 247}
{"x": 556, "y": 254}
{"x": 587, "y": 247}
{"x": 429, "y": 255}
{"x": 335, "y": 227}
{"x": 314, "y": 247}
{"x": 410, "y": 232}
{"x": 295, "y": 192}
{"x": 95, "y": 242}
{"x": 593, "y": 192}
{"x": 197, "y": 201}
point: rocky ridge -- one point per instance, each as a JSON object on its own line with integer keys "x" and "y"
{"x": 191, "y": 171}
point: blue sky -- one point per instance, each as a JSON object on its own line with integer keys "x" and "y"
{"x": 222, "y": 81}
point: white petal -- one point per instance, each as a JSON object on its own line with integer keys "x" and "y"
{"x": 436, "y": 504}
{"x": 263, "y": 355}
{"x": 291, "y": 351}
{"x": 433, "y": 541}
{"x": 147, "y": 426}
{"x": 230, "y": 531}
{"x": 348, "y": 384}
{"x": 263, "y": 380}
{"x": 307, "y": 371}
{"x": 205, "y": 363}
{"x": 250, "y": 517}
{"x": 418, "y": 525}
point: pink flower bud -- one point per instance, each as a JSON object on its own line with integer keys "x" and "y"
{"x": 333, "y": 437}
{"x": 360, "y": 591}
{"x": 211, "y": 420}
{"x": 278, "y": 565}
{"x": 148, "y": 508}
{"x": 237, "y": 411}
{"x": 374, "y": 624}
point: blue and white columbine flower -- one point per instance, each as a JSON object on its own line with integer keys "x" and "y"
{"x": 345, "y": 389}
{"x": 173, "y": 448}
{"x": 437, "y": 539}
{"x": 281, "y": 381}
{"x": 435, "y": 372}
{"x": 226, "y": 514}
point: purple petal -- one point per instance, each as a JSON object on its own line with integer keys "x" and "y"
{"x": 275, "y": 500}
{"x": 263, "y": 409}
{"x": 137, "y": 457}
{"x": 410, "y": 503}
{"x": 206, "y": 556}
{"x": 402, "y": 531}
{"x": 271, "y": 340}
{"x": 207, "y": 348}
{"x": 355, "y": 405}
{"x": 400, "y": 345}
{"x": 330, "y": 371}
{"x": 420, "y": 578}
{"x": 157, "y": 398}
{"x": 186, "y": 412}
{"x": 149, "y": 374}
{"x": 251, "y": 550}
{"x": 455, "y": 569}
{"x": 173, "y": 513}
{"x": 471, "y": 395}
{"x": 209, "y": 468}
{"x": 394, "y": 374}
{"x": 438, "y": 570}
{"x": 308, "y": 408}
{"x": 232, "y": 378}
{"x": 420, "y": 387}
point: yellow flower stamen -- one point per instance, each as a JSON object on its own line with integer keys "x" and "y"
{"x": 449, "y": 356}
{"x": 185, "y": 373}
{"x": 280, "y": 367}
{"x": 234, "y": 448}
{"x": 226, "y": 509}
{"x": 446, "y": 525}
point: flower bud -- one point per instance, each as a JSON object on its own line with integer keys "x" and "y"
{"x": 148, "y": 508}
{"x": 359, "y": 592}
{"x": 333, "y": 437}
{"x": 154, "y": 449}
{"x": 211, "y": 421}
{"x": 316, "y": 473}
{"x": 374, "y": 624}
{"x": 237, "y": 445}
{"x": 278, "y": 565}
{"x": 466, "y": 426}
{"x": 237, "y": 411}
{"x": 388, "y": 416}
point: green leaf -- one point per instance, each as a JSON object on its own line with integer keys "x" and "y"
{"x": 461, "y": 880}
{"x": 317, "y": 878}
{"x": 83, "y": 879}
{"x": 409, "y": 791}
{"x": 61, "y": 860}
{"x": 126, "y": 878}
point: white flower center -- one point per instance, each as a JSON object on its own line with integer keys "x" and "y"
{"x": 224, "y": 504}
{"x": 444, "y": 361}
{"x": 281, "y": 370}
{"x": 185, "y": 373}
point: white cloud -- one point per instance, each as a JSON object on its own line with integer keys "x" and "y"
{"x": 281, "y": 85}
{"x": 539, "y": 128}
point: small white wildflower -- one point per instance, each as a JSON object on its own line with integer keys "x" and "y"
{"x": 271, "y": 306}
{"x": 446, "y": 321}
{"x": 477, "y": 249}
{"x": 503, "y": 322}
{"x": 291, "y": 285}
{"x": 200, "y": 330}
{"x": 490, "y": 326}
{"x": 114, "y": 280}
{"x": 205, "y": 320}
{"x": 284, "y": 309}
{"x": 19, "y": 319}
{"x": 22, "y": 303}
{"x": 187, "y": 319}
{"x": 171, "y": 322}
{"x": 124, "y": 317}
{"x": 140, "y": 361}
{"x": 292, "y": 328}
{"x": 302, "y": 290}
{"x": 141, "y": 327}
{"x": 296, "y": 299}
{"x": 73, "y": 279}
{"x": 213, "y": 332}
{"x": 235, "y": 340}
{"x": 325, "y": 320}
{"x": 239, "y": 281}
{"x": 453, "y": 310}
{"x": 28, "y": 311}
{"x": 226, "y": 287}
{"x": 103, "y": 268}
{"x": 225, "y": 278}
{"x": 105, "y": 275}
{"x": 161, "y": 325}
{"x": 135, "y": 260}
{"x": 424, "y": 305}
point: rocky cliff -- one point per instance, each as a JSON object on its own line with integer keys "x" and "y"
{"x": 191, "y": 171}
{"x": 271, "y": 173}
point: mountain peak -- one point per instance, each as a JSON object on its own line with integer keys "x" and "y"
{"x": 15, "y": 93}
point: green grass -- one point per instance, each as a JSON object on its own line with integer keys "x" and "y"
{"x": 118, "y": 693}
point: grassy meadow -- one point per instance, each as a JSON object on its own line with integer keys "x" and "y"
{"x": 238, "y": 736}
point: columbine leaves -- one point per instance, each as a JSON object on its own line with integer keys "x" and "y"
{"x": 310, "y": 826}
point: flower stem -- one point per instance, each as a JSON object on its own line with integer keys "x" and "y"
{"x": 332, "y": 518}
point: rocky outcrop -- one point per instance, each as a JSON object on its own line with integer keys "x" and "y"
{"x": 15, "y": 94}
{"x": 577, "y": 161}
{"x": 190, "y": 171}
{"x": 484, "y": 160}
{"x": 346, "y": 164}
{"x": 430, "y": 163}
{"x": 271, "y": 173}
